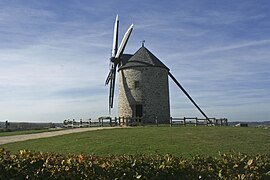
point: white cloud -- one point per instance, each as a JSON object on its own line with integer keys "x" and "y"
{"x": 50, "y": 56}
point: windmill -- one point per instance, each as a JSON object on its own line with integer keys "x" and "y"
{"x": 143, "y": 82}
{"x": 116, "y": 58}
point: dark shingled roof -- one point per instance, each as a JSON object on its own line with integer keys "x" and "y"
{"x": 142, "y": 58}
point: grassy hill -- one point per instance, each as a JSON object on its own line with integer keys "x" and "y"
{"x": 179, "y": 141}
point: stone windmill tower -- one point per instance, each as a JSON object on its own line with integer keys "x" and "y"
{"x": 144, "y": 88}
{"x": 143, "y": 83}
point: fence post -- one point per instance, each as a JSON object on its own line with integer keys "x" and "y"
{"x": 171, "y": 121}
{"x": 7, "y": 124}
{"x": 110, "y": 121}
{"x": 156, "y": 121}
{"x": 196, "y": 121}
{"x": 129, "y": 121}
{"x": 73, "y": 123}
{"x": 120, "y": 123}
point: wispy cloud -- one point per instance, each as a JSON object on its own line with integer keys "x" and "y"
{"x": 54, "y": 58}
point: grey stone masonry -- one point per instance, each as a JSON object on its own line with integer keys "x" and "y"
{"x": 146, "y": 86}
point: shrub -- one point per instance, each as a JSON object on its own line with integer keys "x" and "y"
{"x": 37, "y": 165}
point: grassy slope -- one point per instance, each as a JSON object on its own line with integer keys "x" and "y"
{"x": 183, "y": 141}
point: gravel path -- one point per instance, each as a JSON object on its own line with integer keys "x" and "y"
{"x": 15, "y": 138}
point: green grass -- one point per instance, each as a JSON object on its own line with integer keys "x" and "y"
{"x": 179, "y": 141}
{"x": 21, "y": 132}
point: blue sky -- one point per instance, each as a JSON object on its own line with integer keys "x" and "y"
{"x": 54, "y": 55}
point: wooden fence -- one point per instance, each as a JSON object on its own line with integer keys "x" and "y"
{"x": 137, "y": 121}
{"x": 100, "y": 122}
{"x": 76, "y": 124}
{"x": 198, "y": 121}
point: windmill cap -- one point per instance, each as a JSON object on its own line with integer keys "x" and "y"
{"x": 142, "y": 58}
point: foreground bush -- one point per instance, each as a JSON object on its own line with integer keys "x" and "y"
{"x": 38, "y": 165}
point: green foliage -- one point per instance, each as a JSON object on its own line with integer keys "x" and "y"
{"x": 38, "y": 165}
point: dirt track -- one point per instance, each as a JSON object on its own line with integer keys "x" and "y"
{"x": 15, "y": 138}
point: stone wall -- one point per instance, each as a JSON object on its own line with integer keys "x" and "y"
{"x": 147, "y": 86}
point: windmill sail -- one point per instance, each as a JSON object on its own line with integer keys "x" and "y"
{"x": 116, "y": 58}
{"x": 112, "y": 86}
{"x": 124, "y": 42}
{"x": 115, "y": 37}
{"x": 108, "y": 77}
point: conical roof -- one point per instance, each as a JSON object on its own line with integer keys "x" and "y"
{"x": 142, "y": 58}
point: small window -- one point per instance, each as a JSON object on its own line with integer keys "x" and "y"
{"x": 137, "y": 84}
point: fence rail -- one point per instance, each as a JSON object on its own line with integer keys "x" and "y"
{"x": 137, "y": 121}
{"x": 76, "y": 124}
{"x": 198, "y": 121}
